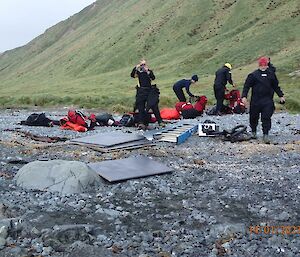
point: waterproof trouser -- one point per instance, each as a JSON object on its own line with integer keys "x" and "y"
{"x": 179, "y": 93}
{"x": 266, "y": 110}
{"x": 140, "y": 103}
{"x": 142, "y": 99}
{"x": 219, "y": 91}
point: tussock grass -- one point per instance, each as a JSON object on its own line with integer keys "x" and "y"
{"x": 86, "y": 60}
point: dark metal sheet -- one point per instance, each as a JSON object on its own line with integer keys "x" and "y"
{"x": 132, "y": 167}
{"x": 125, "y": 146}
{"x": 109, "y": 138}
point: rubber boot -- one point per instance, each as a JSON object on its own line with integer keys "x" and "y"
{"x": 266, "y": 139}
{"x": 253, "y": 135}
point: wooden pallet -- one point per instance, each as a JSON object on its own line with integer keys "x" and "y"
{"x": 178, "y": 134}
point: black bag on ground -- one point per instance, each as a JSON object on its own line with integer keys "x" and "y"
{"x": 190, "y": 113}
{"x": 37, "y": 119}
{"x": 137, "y": 120}
{"x": 127, "y": 120}
{"x": 105, "y": 119}
{"x": 237, "y": 134}
{"x": 239, "y": 109}
{"x": 225, "y": 110}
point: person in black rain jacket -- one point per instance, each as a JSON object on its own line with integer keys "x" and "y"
{"x": 263, "y": 83}
{"x": 147, "y": 96}
{"x": 223, "y": 76}
{"x": 184, "y": 83}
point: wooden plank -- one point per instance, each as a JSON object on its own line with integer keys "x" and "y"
{"x": 173, "y": 134}
{"x": 180, "y": 136}
{"x": 170, "y": 137}
{"x": 169, "y": 140}
{"x": 184, "y": 136}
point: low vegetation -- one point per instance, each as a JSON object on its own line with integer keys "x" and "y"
{"x": 86, "y": 60}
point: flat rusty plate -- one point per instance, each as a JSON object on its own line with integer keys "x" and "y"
{"x": 129, "y": 168}
{"x": 109, "y": 138}
{"x": 125, "y": 146}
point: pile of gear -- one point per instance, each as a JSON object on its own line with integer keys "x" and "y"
{"x": 237, "y": 134}
{"x": 235, "y": 104}
{"x": 186, "y": 110}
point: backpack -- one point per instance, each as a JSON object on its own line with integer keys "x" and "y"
{"x": 77, "y": 117}
{"x": 37, "y": 119}
{"x": 148, "y": 118}
{"x": 235, "y": 101}
{"x": 213, "y": 110}
{"x": 190, "y": 113}
{"x": 180, "y": 106}
{"x": 169, "y": 114}
{"x": 200, "y": 103}
{"x": 239, "y": 108}
{"x": 127, "y": 120}
{"x": 105, "y": 119}
{"x": 237, "y": 134}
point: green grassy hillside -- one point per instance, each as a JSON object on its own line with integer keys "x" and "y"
{"x": 86, "y": 60}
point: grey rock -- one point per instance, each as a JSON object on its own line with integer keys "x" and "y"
{"x": 80, "y": 249}
{"x": 101, "y": 238}
{"x": 2, "y": 243}
{"x": 38, "y": 247}
{"x": 110, "y": 212}
{"x": 263, "y": 211}
{"x": 62, "y": 236}
{"x": 191, "y": 208}
{"x": 226, "y": 229}
{"x": 47, "y": 251}
{"x": 65, "y": 177}
{"x": 10, "y": 241}
{"x": 284, "y": 216}
{"x": 3, "y": 236}
{"x": 14, "y": 252}
{"x": 6, "y": 223}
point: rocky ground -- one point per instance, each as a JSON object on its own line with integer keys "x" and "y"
{"x": 204, "y": 208}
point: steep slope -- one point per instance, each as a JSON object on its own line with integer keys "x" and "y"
{"x": 87, "y": 58}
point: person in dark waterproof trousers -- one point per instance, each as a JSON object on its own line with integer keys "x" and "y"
{"x": 223, "y": 76}
{"x": 263, "y": 83}
{"x": 184, "y": 83}
{"x": 147, "y": 96}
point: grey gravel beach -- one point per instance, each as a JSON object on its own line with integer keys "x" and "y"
{"x": 222, "y": 199}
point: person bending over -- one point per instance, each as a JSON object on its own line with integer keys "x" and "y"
{"x": 184, "y": 83}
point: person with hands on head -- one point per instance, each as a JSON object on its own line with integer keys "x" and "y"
{"x": 143, "y": 73}
{"x": 147, "y": 95}
{"x": 223, "y": 76}
{"x": 263, "y": 83}
{"x": 184, "y": 83}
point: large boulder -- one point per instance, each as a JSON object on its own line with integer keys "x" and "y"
{"x": 65, "y": 177}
